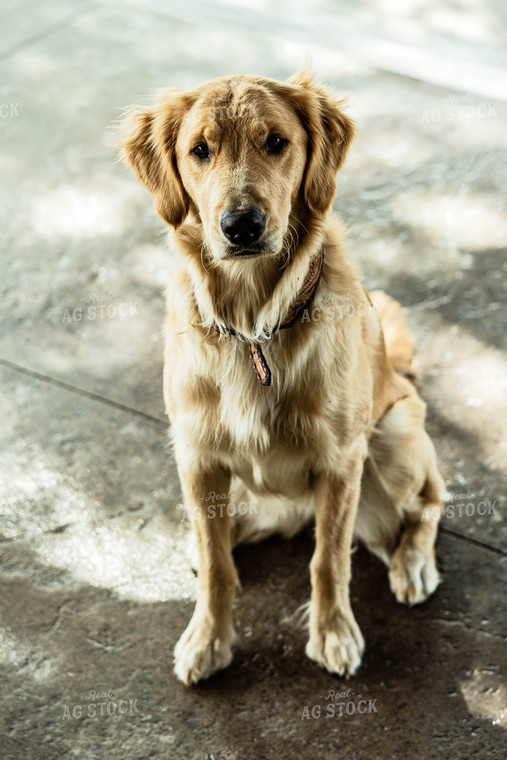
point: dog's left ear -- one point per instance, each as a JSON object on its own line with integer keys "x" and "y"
{"x": 330, "y": 133}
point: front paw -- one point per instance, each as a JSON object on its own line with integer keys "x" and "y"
{"x": 199, "y": 653}
{"x": 337, "y": 645}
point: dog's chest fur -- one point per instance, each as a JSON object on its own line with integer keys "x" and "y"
{"x": 265, "y": 435}
{"x": 271, "y": 437}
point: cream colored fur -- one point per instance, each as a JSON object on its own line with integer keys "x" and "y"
{"x": 339, "y": 435}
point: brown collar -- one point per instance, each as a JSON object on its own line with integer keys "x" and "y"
{"x": 297, "y": 307}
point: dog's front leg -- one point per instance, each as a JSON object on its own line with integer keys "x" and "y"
{"x": 335, "y": 640}
{"x": 205, "y": 646}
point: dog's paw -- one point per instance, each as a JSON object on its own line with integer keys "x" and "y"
{"x": 198, "y": 654}
{"x": 338, "y": 646}
{"x": 413, "y": 576}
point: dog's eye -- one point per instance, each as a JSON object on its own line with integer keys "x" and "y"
{"x": 201, "y": 151}
{"x": 275, "y": 144}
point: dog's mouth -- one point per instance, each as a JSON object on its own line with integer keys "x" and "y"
{"x": 253, "y": 251}
{"x": 245, "y": 254}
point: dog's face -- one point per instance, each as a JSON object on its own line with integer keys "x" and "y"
{"x": 241, "y": 154}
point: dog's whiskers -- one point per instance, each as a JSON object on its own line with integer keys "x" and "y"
{"x": 203, "y": 249}
{"x": 290, "y": 244}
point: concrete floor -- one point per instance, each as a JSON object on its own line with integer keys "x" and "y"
{"x": 95, "y": 588}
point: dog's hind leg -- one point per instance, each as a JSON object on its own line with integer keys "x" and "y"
{"x": 413, "y": 574}
{"x": 401, "y": 493}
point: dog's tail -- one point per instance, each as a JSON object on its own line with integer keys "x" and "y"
{"x": 399, "y": 343}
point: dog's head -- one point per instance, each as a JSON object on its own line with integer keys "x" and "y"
{"x": 241, "y": 154}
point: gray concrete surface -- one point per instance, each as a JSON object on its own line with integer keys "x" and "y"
{"x": 95, "y": 588}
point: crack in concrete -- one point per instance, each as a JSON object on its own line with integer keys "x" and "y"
{"x": 58, "y": 620}
{"x": 464, "y": 626}
{"x": 83, "y": 392}
{"x": 470, "y": 540}
{"x": 107, "y": 647}
{"x": 49, "y": 30}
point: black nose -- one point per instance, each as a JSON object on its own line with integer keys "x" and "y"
{"x": 243, "y": 227}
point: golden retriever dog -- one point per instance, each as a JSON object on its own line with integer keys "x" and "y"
{"x": 283, "y": 389}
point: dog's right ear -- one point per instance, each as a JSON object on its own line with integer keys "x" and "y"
{"x": 148, "y": 140}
